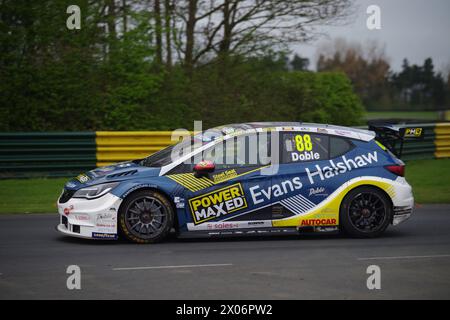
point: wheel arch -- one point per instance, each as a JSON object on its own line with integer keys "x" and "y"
{"x": 371, "y": 186}
{"x": 164, "y": 193}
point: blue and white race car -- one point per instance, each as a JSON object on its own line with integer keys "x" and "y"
{"x": 244, "y": 179}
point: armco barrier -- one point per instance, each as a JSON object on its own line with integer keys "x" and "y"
{"x": 115, "y": 146}
{"x": 65, "y": 154}
{"x": 423, "y": 148}
{"x": 442, "y": 141}
{"x": 69, "y": 153}
{"x": 46, "y": 154}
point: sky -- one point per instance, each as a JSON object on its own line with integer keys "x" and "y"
{"x": 415, "y": 29}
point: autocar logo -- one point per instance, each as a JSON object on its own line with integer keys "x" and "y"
{"x": 318, "y": 222}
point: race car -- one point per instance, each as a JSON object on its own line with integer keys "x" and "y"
{"x": 244, "y": 179}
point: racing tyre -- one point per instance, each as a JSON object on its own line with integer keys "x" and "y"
{"x": 146, "y": 217}
{"x": 365, "y": 212}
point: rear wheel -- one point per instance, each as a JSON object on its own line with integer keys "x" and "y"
{"x": 146, "y": 217}
{"x": 365, "y": 212}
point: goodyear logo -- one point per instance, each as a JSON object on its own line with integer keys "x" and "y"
{"x": 218, "y": 203}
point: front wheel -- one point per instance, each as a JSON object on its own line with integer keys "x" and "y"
{"x": 146, "y": 217}
{"x": 365, "y": 212}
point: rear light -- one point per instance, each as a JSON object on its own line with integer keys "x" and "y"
{"x": 398, "y": 169}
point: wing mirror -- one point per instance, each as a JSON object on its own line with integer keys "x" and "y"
{"x": 203, "y": 168}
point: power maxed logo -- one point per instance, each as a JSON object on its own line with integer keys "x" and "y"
{"x": 217, "y": 203}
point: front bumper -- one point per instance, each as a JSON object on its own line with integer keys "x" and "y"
{"x": 91, "y": 219}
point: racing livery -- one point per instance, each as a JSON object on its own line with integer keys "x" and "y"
{"x": 244, "y": 179}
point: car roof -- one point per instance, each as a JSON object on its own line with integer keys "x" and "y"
{"x": 353, "y": 133}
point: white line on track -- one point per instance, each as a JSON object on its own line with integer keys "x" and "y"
{"x": 406, "y": 257}
{"x": 174, "y": 267}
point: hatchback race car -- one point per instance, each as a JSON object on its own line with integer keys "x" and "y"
{"x": 244, "y": 179}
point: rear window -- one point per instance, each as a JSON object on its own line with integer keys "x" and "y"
{"x": 339, "y": 146}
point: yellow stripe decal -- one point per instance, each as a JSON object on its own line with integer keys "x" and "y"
{"x": 189, "y": 181}
{"x": 329, "y": 209}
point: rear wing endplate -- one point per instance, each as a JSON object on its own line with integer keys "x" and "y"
{"x": 393, "y": 136}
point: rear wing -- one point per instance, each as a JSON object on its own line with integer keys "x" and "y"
{"x": 393, "y": 136}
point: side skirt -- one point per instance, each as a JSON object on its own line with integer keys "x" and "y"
{"x": 257, "y": 232}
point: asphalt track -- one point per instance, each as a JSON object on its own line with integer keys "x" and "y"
{"x": 414, "y": 258}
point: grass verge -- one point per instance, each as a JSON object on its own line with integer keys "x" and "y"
{"x": 430, "y": 180}
{"x": 416, "y": 115}
{"x": 30, "y": 195}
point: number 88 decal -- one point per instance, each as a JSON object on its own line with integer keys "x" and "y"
{"x": 303, "y": 142}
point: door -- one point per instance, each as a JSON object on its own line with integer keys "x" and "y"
{"x": 309, "y": 179}
{"x": 294, "y": 196}
{"x": 222, "y": 199}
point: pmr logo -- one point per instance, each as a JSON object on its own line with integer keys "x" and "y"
{"x": 217, "y": 203}
{"x": 413, "y": 132}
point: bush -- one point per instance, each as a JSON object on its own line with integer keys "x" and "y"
{"x": 247, "y": 93}
{"x": 128, "y": 93}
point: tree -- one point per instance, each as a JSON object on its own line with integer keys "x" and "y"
{"x": 367, "y": 67}
{"x": 168, "y": 11}
{"x": 221, "y": 28}
{"x": 222, "y": 64}
{"x": 420, "y": 86}
{"x": 299, "y": 64}
{"x": 158, "y": 31}
{"x": 55, "y": 79}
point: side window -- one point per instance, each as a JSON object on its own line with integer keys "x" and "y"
{"x": 303, "y": 147}
{"x": 240, "y": 151}
{"x": 227, "y": 154}
{"x": 339, "y": 146}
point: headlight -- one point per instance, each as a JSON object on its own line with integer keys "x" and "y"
{"x": 95, "y": 191}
